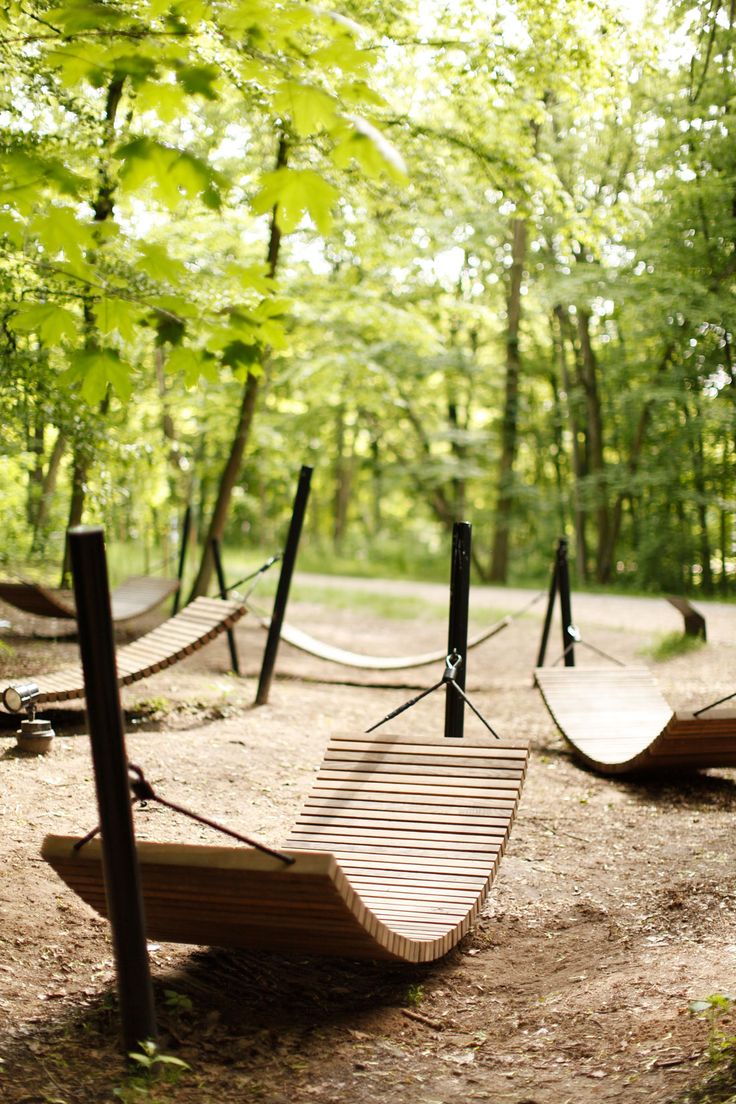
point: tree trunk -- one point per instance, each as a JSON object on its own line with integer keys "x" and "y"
{"x": 510, "y": 420}
{"x": 231, "y": 471}
{"x": 343, "y": 481}
{"x": 102, "y": 206}
{"x": 637, "y": 446}
{"x": 48, "y": 487}
{"x": 596, "y": 460}
{"x": 459, "y": 451}
{"x": 577, "y": 457}
{"x": 35, "y": 475}
{"x": 80, "y": 470}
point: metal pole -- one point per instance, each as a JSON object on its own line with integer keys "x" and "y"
{"x": 457, "y": 635}
{"x": 185, "y": 531}
{"x": 568, "y": 639}
{"x": 553, "y": 588}
{"x": 282, "y": 591}
{"x": 234, "y": 661}
{"x": 119, "y": 858}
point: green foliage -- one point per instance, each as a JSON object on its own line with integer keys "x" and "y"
{"x": 414, "y": 995}
{"x": 153, "y": 1067}
{"x": 716, "y": 1010}
{"x": 146, "y": 151}
{"x": 125, "y": 136}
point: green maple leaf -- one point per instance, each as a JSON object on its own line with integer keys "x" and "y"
{"x": 310, "y": 109}
{"x": 50, "y": 322}
{"x": 294, "y": 193}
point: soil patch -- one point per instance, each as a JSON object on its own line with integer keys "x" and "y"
{"x": 614, "y": 906}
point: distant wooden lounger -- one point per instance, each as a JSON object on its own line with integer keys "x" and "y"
{"x": 618, "y": 721}
{"x": 395, "y": 851}
{"x": 195, "y": 626}
{"x": 362, "y": 660}
{"x": 135, "y": 596}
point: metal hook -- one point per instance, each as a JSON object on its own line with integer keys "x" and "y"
{"x": 453, "y": 663}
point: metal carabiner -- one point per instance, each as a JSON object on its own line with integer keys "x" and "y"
{"x": 453, "y": 662}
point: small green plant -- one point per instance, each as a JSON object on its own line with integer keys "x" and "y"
{"x": 673, "y": 645}
{"x": 177, "y": 1003}
{"x": 152, "y": 1067}
{"x": 414, "y": 995}
{"x": 153, "y": 707}
{"x": 714, "y": 1010}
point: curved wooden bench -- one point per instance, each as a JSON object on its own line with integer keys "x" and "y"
{"x": 617, "y": 720}
{"x": 362, "y": 660}
{"x": 39, "y": 600}
{"x": 191, "y": 629}
{"x": 134, "y": 597}
{"x": 395, "y": 851}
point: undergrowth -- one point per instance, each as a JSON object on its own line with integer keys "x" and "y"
{"x": 674, "y": 644}
{"x": 719, "y": 1084}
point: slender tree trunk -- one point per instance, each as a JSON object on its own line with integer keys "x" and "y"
{"x": 231, "y": 471}
{"x": 577, "y": 457}
{"x": 376, "y": 482}
{"x": 80, "y": 468}
{"x": 343, "y": 480}
{"x": 596, "y": 459}
{"x": 459, "y": 452}
{"x": 103, "y": 207}
{"x": 635, "y": 452}
{"x": 35, "y": 476}
{"x": 692, "y": 421}
{"x": 48, "y": 488}
{"x": 558, "y": 449}
{"x": 510, "y": 420}
{"x": 701, "y": 490}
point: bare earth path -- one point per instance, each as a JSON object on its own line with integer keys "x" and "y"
{"x": 613, "y": 909}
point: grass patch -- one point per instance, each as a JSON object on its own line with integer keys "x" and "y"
{"x": 672, "y": 645}
{"x": 397, "y": 607}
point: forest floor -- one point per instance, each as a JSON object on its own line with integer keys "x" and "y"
{"x": 613, "y": 907}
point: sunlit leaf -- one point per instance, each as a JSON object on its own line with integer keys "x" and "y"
{"x": 296, "y": 192}
{"x": 310, "y": 109}
{"x": 96, "y": 369}
{"x": 48, "y": 320}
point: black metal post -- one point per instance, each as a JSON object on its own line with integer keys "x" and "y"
{"x": 234, "y": 660}
{"x": 457, "y": 635}
{"x": 185, "y": 531}
{"x": 553, "y": 588}
{"x": 563, "y": 576}
{"x": 282, "y": 591}
{"x": 119, "y": 858}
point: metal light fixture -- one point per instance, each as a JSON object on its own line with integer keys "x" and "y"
{"x": 21, "y": 696}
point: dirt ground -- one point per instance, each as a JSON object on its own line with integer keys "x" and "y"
{"x": 613, "y": 908}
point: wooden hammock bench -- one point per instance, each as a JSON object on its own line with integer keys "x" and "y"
{"x": 169, "y": 642}
{"x": 133, "y": 598}
{"x": 320, "y": 649}
{"x": 394, "y": 854}
{"x": 618, "y": 720}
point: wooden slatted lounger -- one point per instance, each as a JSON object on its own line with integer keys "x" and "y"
{"x": 395, "y": 850}
{"x": 322, "y": 650}
{"x": 195, "y": 626}
{"x": 134, "y": 597}
{"x": 618, "y": 720}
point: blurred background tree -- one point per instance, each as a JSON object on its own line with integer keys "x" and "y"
{"x": 473, "y": 262}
